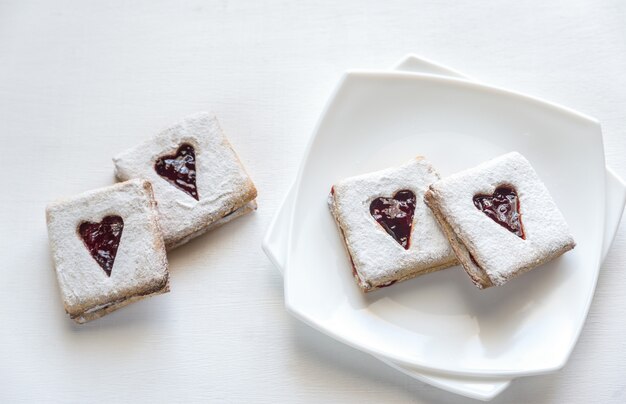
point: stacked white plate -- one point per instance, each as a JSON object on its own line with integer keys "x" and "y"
{"x": 439, "y": 328}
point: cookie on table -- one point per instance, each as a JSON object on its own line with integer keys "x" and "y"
{"x": 107, "y": 248}
{"x": 199, "y": 182}
{"x": 500, "y": 219}
{"x": 388, "y": 231}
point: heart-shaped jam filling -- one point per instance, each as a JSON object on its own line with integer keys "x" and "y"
{"x": 179, "y": 169}
{"x": 503, "y": 208}
{"x": 395, "y": 215}
{"x": 102, "y": 240}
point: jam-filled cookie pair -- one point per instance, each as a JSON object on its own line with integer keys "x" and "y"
{"x": 497, "y": 220}
{"x": 109, "y": 245}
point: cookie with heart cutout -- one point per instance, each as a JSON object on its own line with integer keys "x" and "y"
{"x": 500, "y": 219}
{"x": 389, "y": 233}
{"x": 199, "y": 182}
{"x": 107, "y": 249}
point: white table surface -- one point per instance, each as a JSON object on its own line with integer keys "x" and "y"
{"x": 80, "y": 81}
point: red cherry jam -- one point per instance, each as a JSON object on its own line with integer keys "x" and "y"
{"x": 179, "y": 169}
{"x": 503, "y": 208}
{"x": 102, "y": 240}
{"x": 395, "y": 215}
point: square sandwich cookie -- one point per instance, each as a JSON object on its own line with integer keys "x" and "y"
{"x": 199, "y": 182}
{"x": 107, "y": 249}
{"x": 388, "y": 231}
{"x": 500, "y": 219}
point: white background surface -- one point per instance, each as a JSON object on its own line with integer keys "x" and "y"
{"x": 80, "y": 81}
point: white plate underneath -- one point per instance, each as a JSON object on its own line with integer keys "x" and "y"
{"x": 440, "y": 322}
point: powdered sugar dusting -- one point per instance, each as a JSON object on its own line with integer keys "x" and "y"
{"x": 377, "y": 256}
{"x": 221, "y": 180}
{"x": 499, "y": 252}
{"x": 140, "y": 264}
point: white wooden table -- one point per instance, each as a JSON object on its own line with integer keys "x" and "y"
{"x": 80, "y": 81}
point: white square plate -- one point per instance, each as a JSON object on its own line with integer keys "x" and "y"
{"x": 439, "y": 322}
{"x": 277, "y": 236}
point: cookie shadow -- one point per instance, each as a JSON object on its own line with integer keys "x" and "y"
{"x": 443, "y": 303}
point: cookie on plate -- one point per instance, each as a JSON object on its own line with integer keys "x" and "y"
{"x": 199, "y": 182}
{"x": 388, "y": 231}
{"x": 107, "y": 248}
{"x": 500, "y": 219}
